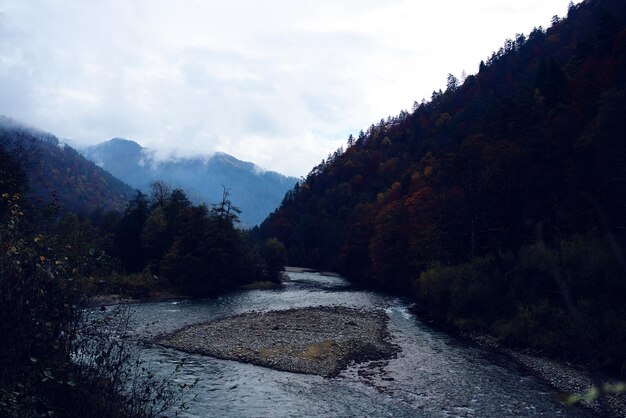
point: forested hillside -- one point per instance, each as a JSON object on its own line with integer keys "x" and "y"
{"x": 58, "y": 173}
{"x": 499, "y": 205}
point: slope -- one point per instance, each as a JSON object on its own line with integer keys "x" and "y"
{"x": 58, "y": 173}
{"x": 499, "y": 204}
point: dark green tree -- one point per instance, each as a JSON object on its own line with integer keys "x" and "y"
{"x": 275, "y": 257}
{"x": 128, "y": 234}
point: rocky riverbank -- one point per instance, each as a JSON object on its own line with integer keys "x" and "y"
{"x": 574, "y": 384}
{"x": 109, "y": 299}
{"x": 317, "y": 340}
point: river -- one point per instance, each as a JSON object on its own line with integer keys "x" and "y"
{"x": 434, "y": 374}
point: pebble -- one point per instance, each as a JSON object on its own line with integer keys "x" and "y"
{"x": 314, "y": 340}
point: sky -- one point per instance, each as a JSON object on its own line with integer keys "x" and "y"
{"x": 281, "y": 83}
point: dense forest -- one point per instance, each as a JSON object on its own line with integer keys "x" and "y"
{"x": 498, "y": 205}
{"x": 55, "y": 359}
{"x": 196, "y": 249}
{"x": 58, "y": 173}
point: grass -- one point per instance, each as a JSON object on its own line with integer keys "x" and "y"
{"x": 320, "y": 350}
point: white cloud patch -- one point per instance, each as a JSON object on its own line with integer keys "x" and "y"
{"x": 280, "y": 83}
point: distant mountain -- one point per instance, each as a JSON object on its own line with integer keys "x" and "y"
{"x": 57, "y": 172}
{"x": 255, "y": 191}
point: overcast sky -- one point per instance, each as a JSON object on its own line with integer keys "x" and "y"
{"x": 277, "y": 82}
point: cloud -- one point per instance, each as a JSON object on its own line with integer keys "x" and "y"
{"x": 279, "y": 83}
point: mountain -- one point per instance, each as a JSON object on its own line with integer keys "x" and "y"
{"x": 57, "y": 172}
{"x": 255, "y": 191}
{"x": 498, "y": 205}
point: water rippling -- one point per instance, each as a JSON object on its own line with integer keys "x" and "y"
{"x": 433, "y": 375}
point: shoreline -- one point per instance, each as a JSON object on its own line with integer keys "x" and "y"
{"x": 293, "y": 269}
{"x": 112, "y": 299}
{"x": 169, "y": 293}
{"x": 567, "y": 379}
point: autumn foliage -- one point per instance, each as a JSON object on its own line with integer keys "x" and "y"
{"x": 499, "y": 204}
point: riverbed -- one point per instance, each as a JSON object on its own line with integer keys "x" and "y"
{"x": 433, "y": 374}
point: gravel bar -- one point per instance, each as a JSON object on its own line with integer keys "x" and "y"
{"x": 315, "y": 340}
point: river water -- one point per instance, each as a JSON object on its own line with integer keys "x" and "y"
{"x": 433, "y": 375}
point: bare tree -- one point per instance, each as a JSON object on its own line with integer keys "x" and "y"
{"x": 160, "y": 192}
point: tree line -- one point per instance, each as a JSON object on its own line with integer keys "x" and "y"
{"x": 196, "y": 248}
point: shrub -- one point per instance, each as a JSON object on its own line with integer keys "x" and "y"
{"x": 541, "y": 325}
{"x": 53, "y": 361}
{"x": 136, "y": 286}
{"x": 474, "y": 291}
{"x": 275, "y": 256}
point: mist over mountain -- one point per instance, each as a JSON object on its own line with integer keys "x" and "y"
{"x": 255, "y": 191}
{"x": 14, "y": 128}
{"x": 58, "y": 173}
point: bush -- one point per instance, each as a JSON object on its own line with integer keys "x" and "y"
{"x": 592, "y": 270}
{"x": 521, "y": 299}
{"x": 136, "y": 286}
{"x": 275, "y": 256}
{"x": 541, "y": 325}
{"x": 109, "y": 365}
{"x": 473, "y": 291}
{"x": 53, "y": 362}
{"x": 531, "y": 274}
{"x": 37, "y": 307}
